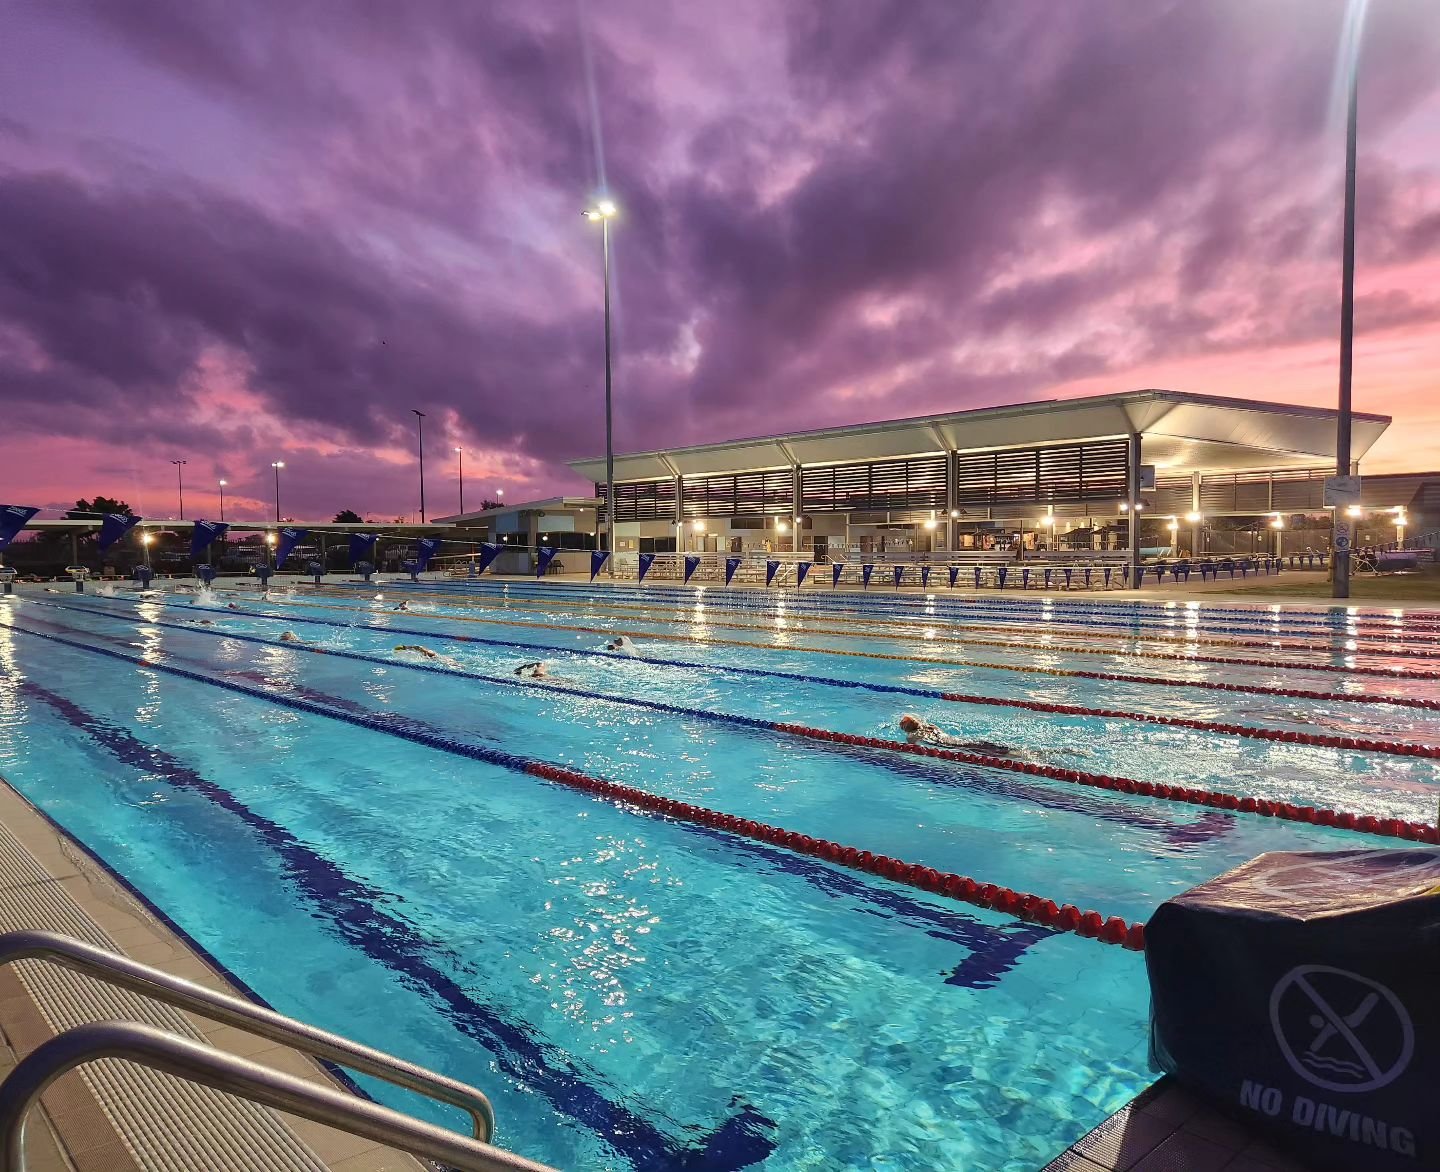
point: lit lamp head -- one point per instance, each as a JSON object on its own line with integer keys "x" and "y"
{"x": 278, "y": 464}
{"x": 147, "y": 538}
{"x": 1354, "y": 511}
{"x": 1194, "y": 518}
{"x": 1277, "y": 523}
{"x": 605, "y": 209}
{"x": 269, "y": 539}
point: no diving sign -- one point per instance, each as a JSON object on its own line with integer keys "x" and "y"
{"x": 1340, "y": 1031}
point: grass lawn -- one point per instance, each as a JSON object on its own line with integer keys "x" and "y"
{"x": 1417, "y": 587}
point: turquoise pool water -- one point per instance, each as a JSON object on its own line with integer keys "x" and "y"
{"x": 638, "y": 993}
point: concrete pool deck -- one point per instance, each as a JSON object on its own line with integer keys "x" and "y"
{"x": 110, "y": 1116}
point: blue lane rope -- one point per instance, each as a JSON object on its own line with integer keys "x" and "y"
{"x": 850, "y": 601}
{"x": 904, "y": 609}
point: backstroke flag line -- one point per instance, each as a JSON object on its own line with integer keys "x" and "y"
{"x": 113, "y": 528}
{"x": 13, "y": 518}
{"x": 290, "y": 537}
{"x": 427, "y": 548}
{"x": 489, "y": 551}
{"x": 206, "y": 532}
{"x": 360, "y": 545}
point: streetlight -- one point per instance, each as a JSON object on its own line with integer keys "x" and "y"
{"x": 604, "y": 211}
{"x": 420, "y": 432}
{"x": 460, "y": 455}
{"x": 1341, "y": 556}
{"x": 180, "y": 480}
{"x": 277, "y": 465}
{"x": 222, "y": 500}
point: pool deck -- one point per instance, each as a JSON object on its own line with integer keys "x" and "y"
{"x": 1167, "y": 1129}
{"x": 107, "y": 1115}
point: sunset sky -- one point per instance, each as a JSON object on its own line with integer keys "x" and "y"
{"x": 236, "y": 232}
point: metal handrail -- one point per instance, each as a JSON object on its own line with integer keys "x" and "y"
{"x": 199, "y": 1063}
{"x": 119, "y": 970}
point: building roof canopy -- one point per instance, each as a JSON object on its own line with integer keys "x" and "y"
{"x": 1193, "y": 432}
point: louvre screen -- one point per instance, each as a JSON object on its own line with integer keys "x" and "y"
{"x": 645, "y": 500}
{"x": 1027, "y": 476}
{"x": 739, "y": 495}
{"x": 1173, "y": 494}
{"x": 917, "y": 483}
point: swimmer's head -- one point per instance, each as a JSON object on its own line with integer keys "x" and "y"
{"x": 910, "y": 723}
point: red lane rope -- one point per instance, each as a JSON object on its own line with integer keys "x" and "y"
{"x": 1022, "y": 905}
{"x": 1248, "y": 689}
{"x": 1266, "y": 807}
{"x": 1289, "y": 737}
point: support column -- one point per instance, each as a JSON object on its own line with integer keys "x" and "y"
{"x": 1197, "y": 530}
{"x": 952, "y": 535}
{"x": 1132, "y": 485}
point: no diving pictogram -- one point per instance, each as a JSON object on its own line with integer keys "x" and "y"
{"x": 1339, "y": 1030}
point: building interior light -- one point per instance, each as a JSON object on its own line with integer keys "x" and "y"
{"x": 1354, "y": 511}
{"x": 1194, "y": 518}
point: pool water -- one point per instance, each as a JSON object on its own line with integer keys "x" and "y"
{"x": 634, "y": 992}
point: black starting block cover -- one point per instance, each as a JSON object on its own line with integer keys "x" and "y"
{"x": 1301, "y": 992}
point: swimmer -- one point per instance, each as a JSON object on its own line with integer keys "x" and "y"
{"x": 402, "y": 606}
{"x": 290, "y": 637}
{"x": 922, "y": 732}
{"x": 231, "y": 606}
{"x": 621, "y": 643}
{"x": 203, "y": 623}
{"x": 416, "y": 649}
{"x": 534, "y": 671}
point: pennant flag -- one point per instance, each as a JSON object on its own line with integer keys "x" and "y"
{"x": 731, "y": 565}
{"x": 977, "y": 577}
{"x": 865, "y": 572}
{"x": 770, "y": 568}
{"x": 1108, "y": 571}
{"x": 692, "y": 563}
{"x": 646, "y": 561}
{"x": 13, "y": 518}
{"x": 835, "y": 571}
{"x": 924, "y": 577}
{"x": 954, "y": 574}
{"x": 290, "y": 537}
{"x": 1068, "y": 572}
{"x": 899, "y": 573}
{"x": 113, "y": 528}
{"x": 360, "y": 545}
{"x": 1000, "y": 575}
{"x": 204, "y": 533}
{"x": 598, "y": 558}
{"x": 801, "y": 569}
{"x": 489, "y": 551}
{"x": 543, "y": 557}
{"x": 1025, "y": 578}
{"x": 426, "y": 548}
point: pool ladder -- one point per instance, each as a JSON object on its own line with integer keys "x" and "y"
{"x": 201, "y": 1063}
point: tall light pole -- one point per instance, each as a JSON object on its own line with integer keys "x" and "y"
{"x": 180, "y": 480}
{"x": 277, "y": 465}
{"x": 420, "y": 433}
{"x": 604, "y": 211}
{"x": 460, "y": 455}
{"x": 1341, "y": 557}
{"x": 222, "y": 500}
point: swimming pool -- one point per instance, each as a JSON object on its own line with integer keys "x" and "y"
{"x": 637, "y": 991}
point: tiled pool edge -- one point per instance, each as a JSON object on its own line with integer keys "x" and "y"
{"x": 1167, "y": 1129}
{"x": 142, "y": 930}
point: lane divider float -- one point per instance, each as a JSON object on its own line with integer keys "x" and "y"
{"x": 1317, "y": 622}
{"x": 951, "y": 885}
{"x": 1270, "y": 664}
{"x": 1252, "y": 732}
{"x": 959, "y": 625}
{"x": 1190, "y": 795}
